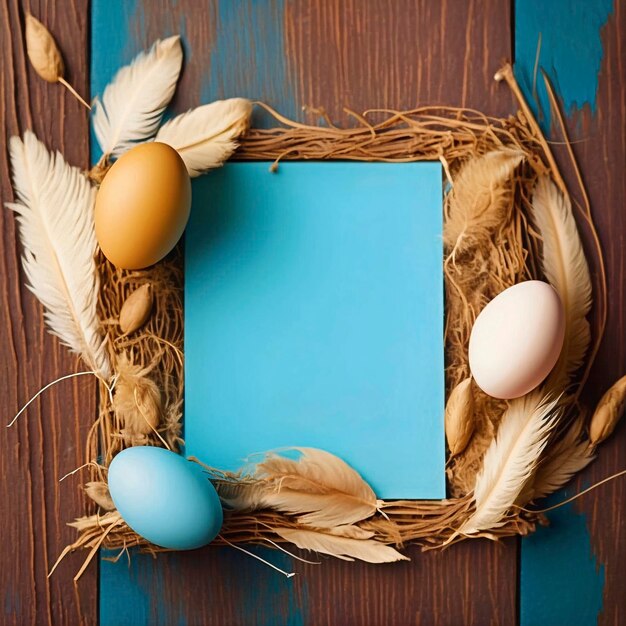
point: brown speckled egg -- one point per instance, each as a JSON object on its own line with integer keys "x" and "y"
{"x": 142, "y": 206}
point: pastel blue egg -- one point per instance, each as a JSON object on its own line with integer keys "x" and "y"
{"x": 165, "y": 498}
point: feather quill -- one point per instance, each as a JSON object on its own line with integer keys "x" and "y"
{"x": 205, "y": 137}
{"x": 345, "y": 548}
{"x": 55, "y": 204}
{"x": 318, "y": 487}
{"x": 566, "y": 269}
{"x": 511, "y": 460}
{"x": 133, "y": 103}
{"x": 480, "y": 199}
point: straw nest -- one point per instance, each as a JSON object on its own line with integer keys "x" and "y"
{"x": 508, "y": 218}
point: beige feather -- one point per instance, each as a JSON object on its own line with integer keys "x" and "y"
{"x": 344, "y": 548}
{"x": 481, "y": 198}
{"x": 318, "y": 487}
{"x": 566, "y": 269}
{"x": 511, "y": 459}
{"x": 132, "y": 105}
{"x": 565, "y": 459}
{"x": 55, "y": 204}
{"x": 206, "y": 137}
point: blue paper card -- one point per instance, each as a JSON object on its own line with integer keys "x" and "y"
{"x": 314, "y": 317}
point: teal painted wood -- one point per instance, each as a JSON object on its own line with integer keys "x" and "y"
{"x": 567, "y": 36}
{"x": 562, "y": 580}
{"x": 135, "y": 593}
{"x": 248, "y": 40}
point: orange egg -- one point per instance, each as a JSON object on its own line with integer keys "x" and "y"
{"x": 142, "y": 206}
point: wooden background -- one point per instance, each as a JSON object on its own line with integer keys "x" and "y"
{"x": 330, "y": 53}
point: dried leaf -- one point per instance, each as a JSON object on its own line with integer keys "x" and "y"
{"x": 320, "y": 488}
{"x": 55, "y": 208}
{"x": 565, "y": 266}
{"x": 43, "y": 53}
{"x": 206, "y": 137}
{"x": 608, "y": 412}
{"x": 481, "y": 199}
{"x": 136, "y": 400}
{"x": 136, "y": 309}
{"x": 459, "y": 419}
{"x": 345, "y": 548}
{"x": 99, "y": 492}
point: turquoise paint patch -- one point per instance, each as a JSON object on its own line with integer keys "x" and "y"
{"x": 248, "y": 58}
{"x": 123, "y": 599}
{"x": 571, "y": 50}
{"x": 271, "y": 599}
{"x": 133, "y": 593}
{"x": 561, "y": 580}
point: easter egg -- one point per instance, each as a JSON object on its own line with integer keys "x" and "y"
{"x": 516, "y": 340}
{"x": 165, "y": 498}
{"x": 142, "y": 206}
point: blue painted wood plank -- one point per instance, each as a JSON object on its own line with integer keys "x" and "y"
{"x": 245, "y": 59}
{"x": 561, "y": 579}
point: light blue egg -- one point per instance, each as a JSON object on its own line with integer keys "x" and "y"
{"x": 165, "y": 498}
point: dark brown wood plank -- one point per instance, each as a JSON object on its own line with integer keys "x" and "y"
{"x": 600, "y": 147}
{"x": 49, "y": 439}
{"x": 336, "y": 53}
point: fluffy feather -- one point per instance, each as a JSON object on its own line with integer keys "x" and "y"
{"x": 133, "y": 103}
{"x": 55, "y": 204}
{"x": 344, "y": 548}
{"x": 511, "y": 459}
{"x": 205, "y": 137}
{"x": 565, "y": 459}
{"x": 480, "y": 199}
{"x": 566, "y": 268}
{"x": 318, "y": 487}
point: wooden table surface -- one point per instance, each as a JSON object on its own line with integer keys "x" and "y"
{"x": 294, "y": 54}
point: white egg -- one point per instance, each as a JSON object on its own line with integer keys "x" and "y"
{"x": 516, "y": 340}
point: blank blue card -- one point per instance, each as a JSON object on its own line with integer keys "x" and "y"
{"x": 314, "y": 317}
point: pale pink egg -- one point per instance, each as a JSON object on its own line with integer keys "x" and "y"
{"x": 517, "y": 339}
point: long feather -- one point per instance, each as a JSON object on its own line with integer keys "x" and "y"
{"x": 480, "y": 199}
{"x": 133, "y": 103}
{"x": 205, "y": 137}
{"x": 55, "y": 204}
{"x": 566, "y": 268}
{"x": 511, "y": 459}
{"x": 344, "y": 548}
{"x": 318, "y": 487}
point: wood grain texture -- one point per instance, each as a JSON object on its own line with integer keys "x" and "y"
{"x": 601, "y": 152}
{"x": 48, "y": 441}
{"x": 333, "y": 54}
{"x": 600, "y": 148}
